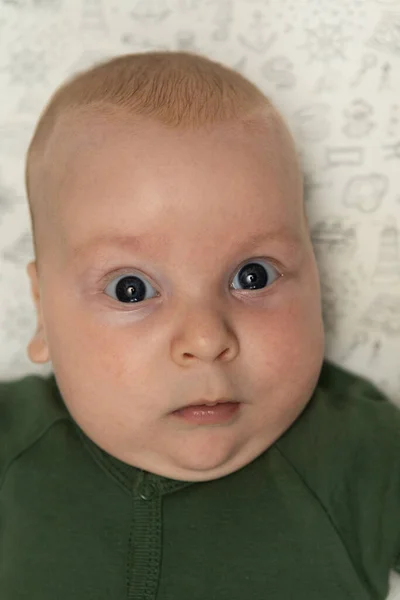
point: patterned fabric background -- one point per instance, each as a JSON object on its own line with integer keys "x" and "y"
{"x": 333, "y": 69}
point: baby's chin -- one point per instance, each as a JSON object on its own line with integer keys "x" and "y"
{"x": 204, "y": 456}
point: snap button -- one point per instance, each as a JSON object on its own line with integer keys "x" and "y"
{"x": 147, "y": 491}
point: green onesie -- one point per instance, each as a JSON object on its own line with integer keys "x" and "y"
{"x": 315, "y": 517}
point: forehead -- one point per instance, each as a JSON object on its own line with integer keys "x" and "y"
{"x": 88, "y": 132}
{"x": 112, "y": 171}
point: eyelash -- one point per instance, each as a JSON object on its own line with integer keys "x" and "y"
{"x": 129, "y": 271}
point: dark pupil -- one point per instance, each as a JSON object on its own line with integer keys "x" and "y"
{"x": 253, "y": 276}
{"x": 130, "y": 289}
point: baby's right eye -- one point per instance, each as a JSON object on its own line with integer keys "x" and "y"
{"x": 129, "y": 289}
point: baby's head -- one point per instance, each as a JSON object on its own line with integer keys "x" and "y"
{"x": 173, "y": 262}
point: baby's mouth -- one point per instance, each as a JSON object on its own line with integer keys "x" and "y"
{"x": 207, "y": 412}
{"x": 203, "y": 402}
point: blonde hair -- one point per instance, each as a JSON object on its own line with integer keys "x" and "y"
{"x": 178, "y": 89}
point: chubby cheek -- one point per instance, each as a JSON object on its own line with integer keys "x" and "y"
{"x": 77, "y": 342}
{"x": 97, "y": 367}
{"x": 286, "y": 347}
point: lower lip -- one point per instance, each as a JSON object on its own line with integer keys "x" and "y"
{"x": 203, "y": 414}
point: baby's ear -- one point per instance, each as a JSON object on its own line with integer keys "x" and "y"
{"x": 37, "y": 348}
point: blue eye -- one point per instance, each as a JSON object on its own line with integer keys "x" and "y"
{"x": 130, "y": 288}
{"x": 253, "y": 276}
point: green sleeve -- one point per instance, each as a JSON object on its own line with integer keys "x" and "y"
{"x": 27, "y": 410}
{"x": 346, "y": 447}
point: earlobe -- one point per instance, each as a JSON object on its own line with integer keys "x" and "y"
{"x": 37, "y": 348}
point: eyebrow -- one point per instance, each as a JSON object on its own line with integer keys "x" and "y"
{"x": 132, "y": 242}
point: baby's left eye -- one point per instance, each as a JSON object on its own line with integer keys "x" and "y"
{"x": 254, "y": 276}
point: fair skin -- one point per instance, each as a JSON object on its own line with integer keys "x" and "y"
{"x": 194, "y": 198}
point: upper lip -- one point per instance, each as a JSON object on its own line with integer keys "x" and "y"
{"x": 207, "y": 402}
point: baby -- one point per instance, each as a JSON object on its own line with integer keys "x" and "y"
{"x": 192, "y": 442}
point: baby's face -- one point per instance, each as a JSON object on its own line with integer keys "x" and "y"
{"x": 178, "y": 211}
